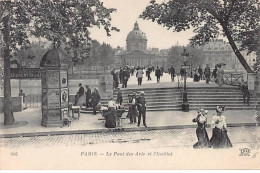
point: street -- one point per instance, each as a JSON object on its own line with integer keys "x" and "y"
{"x": 184, "y": 138}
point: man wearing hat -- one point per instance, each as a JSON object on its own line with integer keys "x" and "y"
{"x": 79, "y": 94}
{"x": 141, "y": 104}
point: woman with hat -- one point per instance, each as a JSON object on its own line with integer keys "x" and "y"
{"x": 110, "y": 115}
{"x": 202, "y": 135}
{"x": 219, "y": 137}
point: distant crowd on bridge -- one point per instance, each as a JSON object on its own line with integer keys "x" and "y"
{"x": 122, "y": 75}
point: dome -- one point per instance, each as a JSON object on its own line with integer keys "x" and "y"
{"x": 53, "y": 58}
{"x": 136, "y": 34}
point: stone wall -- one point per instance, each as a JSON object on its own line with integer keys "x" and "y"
{"x": 16, "y": 102}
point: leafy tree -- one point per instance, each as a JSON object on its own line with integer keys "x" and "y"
{"x": 238, "y": 20}
{"x": 175, "y": 58}
{"x": 59, "y": 21}
{"x": 106, "y": 55}
{"x": 34, "y": 52}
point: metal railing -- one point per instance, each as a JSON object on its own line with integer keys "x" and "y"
{"x": 33, "y": 101}
{"x": 234, "y": 79}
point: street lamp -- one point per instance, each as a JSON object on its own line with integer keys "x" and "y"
{"x": 185, "y": 104}
{"x": 191, "y": 65}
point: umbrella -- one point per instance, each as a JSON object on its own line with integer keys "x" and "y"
{"x": 221, "y": 64}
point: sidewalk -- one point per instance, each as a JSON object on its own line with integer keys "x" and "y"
{"x": 89, "y": 123}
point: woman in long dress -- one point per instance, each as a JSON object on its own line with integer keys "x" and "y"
{"x": 202, "y": 135}
{"x": 220, "y": 74}
{"x": 219, "y": 137}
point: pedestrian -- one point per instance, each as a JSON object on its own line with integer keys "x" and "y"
{"x": 139, "y": 75}
{"x": 158, "y": 74}
{"x": 148, "y": 73}
{"x": 196, "y": 77}
{"x": 207, "y": 73}
{"x": 172, "y": 72}
{"x": 202, "y": 135}
{"x": 126, "y": 75}
{"x": 119, "y": 97}
{"x": 141, "y": 105}
{"x": 121, "y": 75}
{"x": 219, "y": 137}
{"x": 79, "y": 94}
{"x": 88, "y": 96}
{"x": 162, "y": 70}
{"x": 246, "y": 94}
{"x": 220, "y": 74}
{"x": 214, "y": 74}
{"x": 200, "y": 72}
{"x": 110, "y": 115}
{"x": 95, "y": 98}
{"x": 22, "y": 94}
{"x": 132, "y": 108}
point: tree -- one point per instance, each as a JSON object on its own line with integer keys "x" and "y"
{"x": 106, "y": 55}
{"x": 238, "y": 19}
{"x": 175, "y": 58}
{"x": 34, "y": 52}
{"x": 60, "y": 21}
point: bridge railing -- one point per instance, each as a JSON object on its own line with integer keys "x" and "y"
{"x": 234, "y": 79}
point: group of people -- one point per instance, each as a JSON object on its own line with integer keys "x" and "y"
{"x": 219, "y": 137}
{"x": 137, "y": 108}
{"x": 121, "y": 77}
{"x": 136, "y": 112}
{"x": 217, "y": 74}
{"x": 92, "y": 97}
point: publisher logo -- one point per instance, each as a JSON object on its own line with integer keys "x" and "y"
{"x": 244, "y": 152}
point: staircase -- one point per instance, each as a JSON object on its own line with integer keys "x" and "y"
{"x": 157, "y": 99}
{"x": 169, "y": 99}
{"x": 209, "y": 98}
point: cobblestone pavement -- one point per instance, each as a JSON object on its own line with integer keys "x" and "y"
{"x": 147, "y": 139}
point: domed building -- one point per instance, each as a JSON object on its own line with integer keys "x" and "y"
{"x": 136, "y": 53}
{"x": 136, "y": 40}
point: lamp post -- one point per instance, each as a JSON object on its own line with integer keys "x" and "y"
{"x": 185, "y": 104}
{"x": 191, "y": 66}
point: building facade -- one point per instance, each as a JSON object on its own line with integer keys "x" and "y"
{"x": 218, "y": 51}
{"x": 136, "y": 53}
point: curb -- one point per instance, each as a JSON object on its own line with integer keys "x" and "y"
{"x": 119, "y": 129}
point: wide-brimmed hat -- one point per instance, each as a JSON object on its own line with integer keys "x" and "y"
{"x": 220, "y": 109}
{"x": 203, "y": 111}
{"x": 141, "y": 92}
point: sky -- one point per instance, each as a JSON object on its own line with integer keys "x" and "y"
{"x": 127, "y": 14}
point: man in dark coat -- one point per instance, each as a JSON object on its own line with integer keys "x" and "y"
{"x": 79, "y": 94}
{"x": 141, "y": 105}
{"x": 172, "y": 72}
{"x": 207, "y": 73}
{"x": 149, "y": 73}
{"x": 126, "y": 75}
{"x": 120, "y": 75}
{"x": 245, "y": 92}
{"x": 214, "y": 74}
{"x": 200, "y": 72}
{"x": 88, "y": 96}
{"x": 158, "y": 74}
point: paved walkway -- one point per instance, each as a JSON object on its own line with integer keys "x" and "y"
{"x": 165, "y": 82}
{"x": 89, "y": 123}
